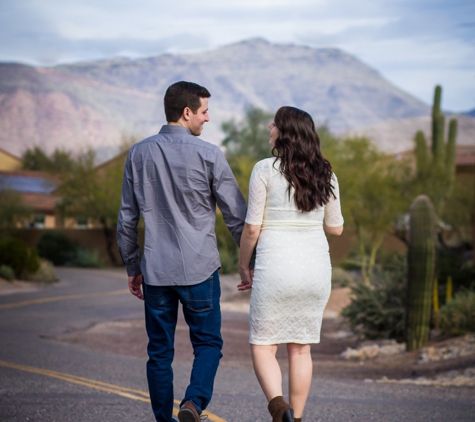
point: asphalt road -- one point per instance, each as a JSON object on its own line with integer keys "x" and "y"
{"x": 44, "y": 379}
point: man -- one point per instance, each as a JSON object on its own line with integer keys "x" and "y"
{"x": 175, "y": 180}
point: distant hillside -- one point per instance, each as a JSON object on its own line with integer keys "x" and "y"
{"x": 470, "y": 113}
{"x": 397, "y": 135}
{"x": 95, "y": 103}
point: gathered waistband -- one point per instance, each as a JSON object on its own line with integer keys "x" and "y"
{"x": 286, "y": 224}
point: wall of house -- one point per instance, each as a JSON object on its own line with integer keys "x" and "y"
{"x": 8, "y": 162}
{"x": 50, "y": 221}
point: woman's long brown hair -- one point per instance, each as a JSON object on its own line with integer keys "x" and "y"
{"x": 301, "y": 161}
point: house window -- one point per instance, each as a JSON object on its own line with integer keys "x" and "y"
{"x": 38, "y": 221}
{"x": 81, "y": 223}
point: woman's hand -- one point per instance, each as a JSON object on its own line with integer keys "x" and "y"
{"x": 249, "y": 237}
{"x": 247, "y": 276}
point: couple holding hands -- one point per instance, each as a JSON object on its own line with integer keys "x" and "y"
{"x": 174, "y": 180}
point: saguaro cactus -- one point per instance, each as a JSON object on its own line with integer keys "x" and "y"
{"x": 421, "y": 268}
{"x": 436, "y": 167}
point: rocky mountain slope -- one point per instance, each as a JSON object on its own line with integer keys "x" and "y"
{"x": 96, "y": 103}
{"x": 398, "y": 135}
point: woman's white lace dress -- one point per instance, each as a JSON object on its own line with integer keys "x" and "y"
{"x": 292, "y": 277}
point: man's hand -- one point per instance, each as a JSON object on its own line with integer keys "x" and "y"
{"x": 247, "y": 277}
{"x": 135, "y": 285}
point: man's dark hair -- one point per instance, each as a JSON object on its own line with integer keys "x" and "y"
{"x": 180, "y": 95}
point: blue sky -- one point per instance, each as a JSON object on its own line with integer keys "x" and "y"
{"x": 415, "y": 44}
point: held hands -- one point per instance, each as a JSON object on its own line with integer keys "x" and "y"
{"x": 247, "y": 276}
{"x": 135, "y": 284}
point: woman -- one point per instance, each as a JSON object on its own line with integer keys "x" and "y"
{"x": 292, "y": 199}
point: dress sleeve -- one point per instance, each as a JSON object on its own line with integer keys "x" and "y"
{"x": 258, "y": 192}
{"x": 333, "y": 216}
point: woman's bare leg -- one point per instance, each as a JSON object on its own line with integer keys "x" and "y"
{"x": 267, "y": 370}
{"x": 300, "y": 376}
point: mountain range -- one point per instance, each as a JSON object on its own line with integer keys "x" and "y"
{"x": 96, "y": 104}
{"x": 395, "y": 136}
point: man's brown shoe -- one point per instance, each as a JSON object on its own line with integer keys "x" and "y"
{"x": 188, "y": 413}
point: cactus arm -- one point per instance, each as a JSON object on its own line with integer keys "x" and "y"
{"x": 451, "y": 150}
{"x": 438, "y": 139}
{"x": 422, "y": 156}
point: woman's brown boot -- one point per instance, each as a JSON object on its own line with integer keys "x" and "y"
{"x": 297, "y": 419}
{"x": 280, "y": 410}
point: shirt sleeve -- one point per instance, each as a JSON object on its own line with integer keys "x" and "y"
{"x": 228, "y": 196}
{"x": 333, "y": 216}
{"x": 129, "y": 215}
{"x": 258, "y": 193}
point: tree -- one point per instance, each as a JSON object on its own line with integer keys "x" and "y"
{"x": 459, "y": 215}
{"x": 94, "y": 193}
{"x": 246, "y": 143}
{"x": 372, "y": 188}
{"x": 250, "y": 137}
{"x": 36, "y": 159}
{"x": 13, "y": 211}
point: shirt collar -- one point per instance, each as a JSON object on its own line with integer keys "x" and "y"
{"x": 175, "y": 129}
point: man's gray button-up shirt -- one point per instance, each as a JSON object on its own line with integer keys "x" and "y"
{"x": 175, "y": 180}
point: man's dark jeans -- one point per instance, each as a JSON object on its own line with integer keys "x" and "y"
{"x": 203, "y": 315}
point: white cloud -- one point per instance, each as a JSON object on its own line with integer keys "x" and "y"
{"x": 415, "y": 44}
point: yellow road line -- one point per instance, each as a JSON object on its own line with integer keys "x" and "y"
{"x": 59, "y": 298}
{"x": 129, "y": 393}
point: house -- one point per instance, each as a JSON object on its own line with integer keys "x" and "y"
{"x": 465, "y": 159}
{"x": 9, "y": 162}
{"x": 37, "y": 192}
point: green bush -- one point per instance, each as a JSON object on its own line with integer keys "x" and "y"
{"x": 378, "y": 311}
{"x": 32, "y": 263}
{"x": 56, "y": 247}
{"x": 15, "y": 254}
{"x": 7, "y": 273}
{"x": 87, "y": 259}
{"x": 457, "y": 317}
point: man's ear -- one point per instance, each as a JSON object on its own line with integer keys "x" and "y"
{"x": 186, "y": 113}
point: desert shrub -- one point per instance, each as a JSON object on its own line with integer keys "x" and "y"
{"x": 453, "y": 264}
{"x": 15, "y": 254}
{"x": 457, "y": 317}
{"x": 341, "y": 278}
{"x": 350, "y": 265}
{"x": 44, "y": 274}
{"x": 378, "y": 310}
{"x": 7, "y": 272}
{"x": 87, "y": 259}
{"x": 228, "y": 250}
{"x": 56, "y": 247}
{"x": 229, "y": 262}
